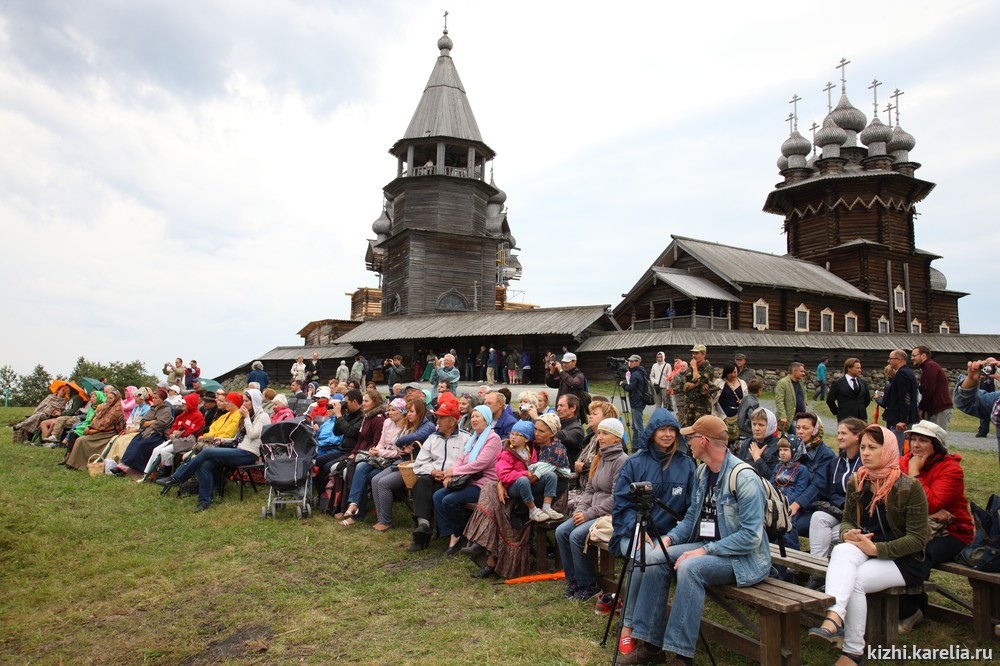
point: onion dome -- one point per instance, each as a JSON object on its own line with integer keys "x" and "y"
{"x": 901, "y": 140}
{"x": 500, "y": 198}
{"x": 876, "y": 132}
{"x": 382, "y": 226}
{"x": 847, "y": 117}
{"x": 445, "y": 43}
{"x": 830, "y": 137}
{"x": 938, "y": 280}
{"x": 796, "y": 144}
{"x": 782, "y": 163}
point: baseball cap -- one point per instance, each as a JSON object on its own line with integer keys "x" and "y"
{"x": 700, "y": 348}
{"x": 635, "y": 357}
{"x": 710, "y": 426}
{"x": 567, "y": 357}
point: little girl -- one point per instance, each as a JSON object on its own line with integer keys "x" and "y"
{"x": 513, "y": 468}
{"x": 791, "y": 477}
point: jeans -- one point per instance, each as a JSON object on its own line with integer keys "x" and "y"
{"x": 570, "y": 539}
{"x": 204, "y": 465}
{"x": 637, "y": 413}
{"x": 820, "y": 393}
{"x": 646, "y": 605}
{"x": 363, "y": 475}
{"x": 526, "y": 491}
{"x": 448, "y": 507}
{"x": 693, "y": 576}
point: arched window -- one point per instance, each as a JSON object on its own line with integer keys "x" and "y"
{"x": 915, "y": 326}
{"x": 395, "y": 304}
{"x": 452, "y": 301}
{"x": 899, "y": 299}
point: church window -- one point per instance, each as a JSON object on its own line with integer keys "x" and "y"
{"x": 802, "y": 318}
{"x": 395, "y": 305}
{"x": 899, "y": 299}
{"x": 851, "y": 322}
{"x": 915, "y": 326}
{"x": 883, "y": 324}
{"x": 452, "y": 301}
{"x": 760, "y": 313}
{"x": 826, "y": 321}
{"x": 944, "y": 328}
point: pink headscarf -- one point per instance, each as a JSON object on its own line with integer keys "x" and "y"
{"x": 128, "y": 404}
{"x": 883, "y": 476}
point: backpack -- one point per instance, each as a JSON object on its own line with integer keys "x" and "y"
{"x": 647, "y": 393}
{"x": 777, "y": 515}
{"x": 983, "y": 553}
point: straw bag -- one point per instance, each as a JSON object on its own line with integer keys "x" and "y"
{"x": 406, "y": 471}
{"x": 95, "y": 466}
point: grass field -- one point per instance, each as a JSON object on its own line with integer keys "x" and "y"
{"x": 105, "y": 571}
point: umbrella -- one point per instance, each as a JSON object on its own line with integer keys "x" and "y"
{"x": 90, "y": 384}
{"x": 210, "y": 385}
{"x": 59, "y": 383}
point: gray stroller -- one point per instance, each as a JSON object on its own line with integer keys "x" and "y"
{"x": 288, "y": 449}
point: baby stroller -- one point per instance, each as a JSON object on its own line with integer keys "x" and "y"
{"x": 288, "y": 449}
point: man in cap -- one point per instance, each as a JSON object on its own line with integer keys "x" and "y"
{"x": 565, "y": 376}
{"x": 445, "y": 370}
{"x": 698, "y": 385}
{"x": 635, "y": 385}
{"x": 743, "y": 371}
{"x": 710, "y": 547}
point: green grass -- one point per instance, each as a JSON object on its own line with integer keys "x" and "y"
{"x": 105, "y": 571}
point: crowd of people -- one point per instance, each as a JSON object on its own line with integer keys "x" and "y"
{"x": 883, "y": 513}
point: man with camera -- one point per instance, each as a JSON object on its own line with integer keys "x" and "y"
{"x": 974, "y": 401}
{"x": 635, "y": 385}
{"x": 568, "y": 378}
{"x": 445, "y": 370}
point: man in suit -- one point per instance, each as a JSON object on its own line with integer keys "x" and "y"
{"x": 849, "y": 396}
{"x": 900, "y": 400}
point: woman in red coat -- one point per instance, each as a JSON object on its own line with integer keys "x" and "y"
{"x": 941, "y": 475}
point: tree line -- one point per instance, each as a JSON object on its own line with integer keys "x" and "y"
{"x": 30, "y": 389}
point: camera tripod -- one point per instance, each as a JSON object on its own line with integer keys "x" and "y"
{"x": 626, "y": 412}
{"x": 637, "y": 547}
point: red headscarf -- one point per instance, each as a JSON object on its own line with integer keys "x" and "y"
{"x": 235, "y": 398}
{"x": 883, "y": 476}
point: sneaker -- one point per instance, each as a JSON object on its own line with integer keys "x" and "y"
{"x": 51, "y": 444}
{"x": 625, "y": 645}
{"x": 553, "y": 514}
{"x": 50, "y": 439}
{"x": 606, "y": 604}
{"x": 906, "y": 624}
{"x": 570, "y": 592}
{"x": 538, "y": 515}
{"x": 587, "y": 593}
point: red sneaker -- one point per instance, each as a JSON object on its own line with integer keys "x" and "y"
{"x": 626, "y": 645}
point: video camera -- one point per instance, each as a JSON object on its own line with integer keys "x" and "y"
{"x": 618, "y": 365}
{"x": 640, "y": 493}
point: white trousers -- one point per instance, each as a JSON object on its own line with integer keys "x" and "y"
{"x": 850, "y": 576}
{"x": 824, "y": 532}
{"x": 164, "y": 452}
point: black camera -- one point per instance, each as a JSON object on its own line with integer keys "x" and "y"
{"x": 641, "y": 492}
{"x": 619, "y": 366}
{"x": 988, "y": 370}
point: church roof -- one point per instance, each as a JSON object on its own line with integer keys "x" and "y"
{"x": 444, "y": 108}
{"x": 693, "y": 286}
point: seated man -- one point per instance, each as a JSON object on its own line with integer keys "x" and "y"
{"x": 298, "y": 401}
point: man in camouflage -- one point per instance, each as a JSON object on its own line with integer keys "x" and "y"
{"x": 699, "y": 386}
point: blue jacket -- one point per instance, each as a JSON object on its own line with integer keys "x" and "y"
{"x": 636, "y": 386}
{"x": 504, "y": 423}
{"x": 792, "y": 478}
{"x": 741, "y": 522}
{"x": 258, "y": 376}
{"x": 326, "y": 440}
{"x": 974, "y": 401}
{"x": 674, "y": 485}
{"x": 768, "y": 461}
{"x": 423, "y": 431}
{"x": 819, "y": 460}
{"x": 835, "y": 491}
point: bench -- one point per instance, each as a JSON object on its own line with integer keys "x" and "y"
{"x": 985, "y": 608}
{"x": 600, "y": 557}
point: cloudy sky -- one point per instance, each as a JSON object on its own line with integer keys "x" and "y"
{"x": 198, "y": 179}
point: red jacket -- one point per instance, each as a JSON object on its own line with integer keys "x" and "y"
{"x": 190, "y": 421}
{"x": 943, "y": 481}
{"x": 510, "y": 467}
{"x": 934, "y": 394}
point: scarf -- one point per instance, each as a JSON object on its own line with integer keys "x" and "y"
{"x": 883, "y": 476}
{"x": 474, "y": 447}
{"x": 128, "y": 403}
{"x": 110, "y": 416}
{"x": 99, "y": 399}
{"x": 772, "y": 420}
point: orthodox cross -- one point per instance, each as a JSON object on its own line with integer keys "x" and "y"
{"x": 813, "y": 129}
{"x": 895, "y": 98}
{"x": 795, "y": 108}
{"x": 843, "y": 71}
{"x": 829, "y": 99}
{"x": 874, "y": 88}
{"x": 446, "y": 21}
{"x": 888, "y": 110}
{"x": 790, "y": 118}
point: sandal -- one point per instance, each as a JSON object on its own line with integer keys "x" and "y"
{"x": 381, "y": 527}
{"x": 339, "y": 516}
{"x": 823, "y": 635}
{"x": 352, "y": 510}
{"x": 347, "y": 522}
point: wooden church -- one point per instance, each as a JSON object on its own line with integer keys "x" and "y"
{"x": 852, "y": 264}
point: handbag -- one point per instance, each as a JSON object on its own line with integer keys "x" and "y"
{"x": 378, "y": 462}
{"x": 460, "y": 481}
{"x": 600, "y": 531}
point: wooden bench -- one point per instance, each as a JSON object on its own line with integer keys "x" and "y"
{"x": 985, "y": 608}
{"x": 600, "y": 557}
{"x": 775, "y": 639}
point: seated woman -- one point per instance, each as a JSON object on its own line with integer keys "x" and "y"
{"x": 280, "y": 409}
{"x": 181, "y": 438}
{"x": 120, "y": 443}
{"x": 154, "y": 427}
{"x": 824, "y": 524}
{"x": 437, "y": 451}
{"x": 97, "y": 398}
{"x": 498, "y": 533}
{"x": 543, "y": 403}
{"x": 599, "y": 410}
{"x": 108, "y": 421}
{"x": 663, "y": 461}
{"x": 527, "y": 404}
{"x": 381, "y": 457}
{"x": 883, "y": 532}
{"x": 247, "y": 451}
{"x": 477, "y": 469}
{"x": 596, "y": 500}
{"x": 49, "y": 408}
{"x": 269, "y": 394}
{"x": 466, "y": 404}
{"x": 371, "y": 430}
{"x": 761, "y": 450}
{"x": 941, "y": 475}
{"x": 819, "y": 458}
{"x": 128, "y": 401}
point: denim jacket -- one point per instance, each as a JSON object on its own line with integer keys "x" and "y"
{"x": 741, "y": 522}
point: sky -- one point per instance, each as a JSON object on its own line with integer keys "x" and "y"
{"x": 199, "y": 179}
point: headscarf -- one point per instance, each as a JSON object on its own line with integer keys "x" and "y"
{"x": 256, "y": 406}
{"x": 399, "y": 405}
{"x": 526, "y": 428}
{"x": 772, "y": 420}
{"x": 474, "y": 447}
{"x": 551, "y": 421}
{"x": 99, "y": 399}
{"x": 883, "y": 476}
{"x": 110, "y": 417}
{"x": 128, "y": 404}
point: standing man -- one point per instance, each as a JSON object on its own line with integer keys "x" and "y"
{"x": 445, "y": 371}
{"x": 986, "y": 385}
{"x": 900, "y": 399}
{"x": 820, "y": 393}
{"x": 313, "y": 368}
{"x": 710, "y": 546}
{"x": 394, "y": 372}
{"x": 935, "y": 398}
{"x": 481, "y": 360}
{"x": 743, "y": 371}
{"x": 849, "y": 396}
{"x": 635, "y": 385}
{"x": 659, "y": 374}
{"x": 568, "y": 378}
{"x": 491, "y": 366}
{"x": 470, "y": 365}
{"x": 358, "y": 370}
{"x": 974, "y": 401}
{"x": 790, "y": 397}
{"x": 699, "y": 386}
{"x": 192, "y": 374}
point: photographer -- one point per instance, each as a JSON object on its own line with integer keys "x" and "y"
{"x": 664, "y": 464}
{"x": 635, "y": 384}
{"x": 568, "y": 378}
{"x": 974, "y": 401}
